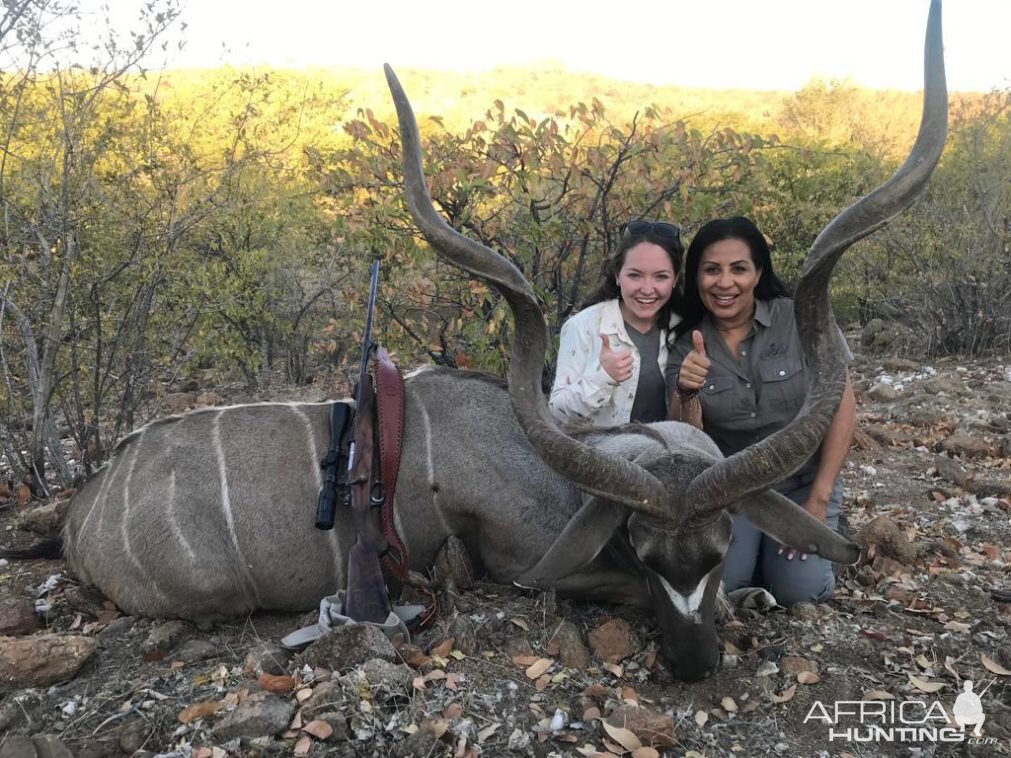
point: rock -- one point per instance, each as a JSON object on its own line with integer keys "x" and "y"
{"x": 390, "y": 678}
{"x": 17, "y": 746}
{"x": 947, "y": 385}
{"x": 40, "y": 660}
{"x": 46, "y": 520}
{"x": 210, "y": 398}
{"x": 882, "y": 392}
{"x": 952, "y": 472}
{"x": 17, "y": 616}
{"x": 567, "y": 644}
{"x": 612, "y": 641}
{"x": 266, "y": 658}
{"x": 116, "y": 629}
{"x": 1004, "y": 446}
{"x": 163, "y": 638}
{"x": 793, "y": 665}
{"x": 195, "y": 650}
{"x": 929, "y": 416}
{"x": 84, "y": 599}
{"x": 260, "y": 713}
{"x": 808, "y": 611}
{"x": 176, "y": 402}
{"x": 516, "y": 646}
{"x": 453, "y": 565}
{"x": 886, "y": 337}
{"x": 992, "y": 486}
{"x": 337, "y": 721}
{"x": 886, "y": 535}
{"x": 422, "y": 742}
{"x": 965, "y": 446}
{"x": 346, "y": 647}
{"x": 885, "y": 435}
{"x": 653, "y": 729}
{"x": 464, "y": 631}
{"x": 50, "y": 746}
{"x": 900, "y": 364}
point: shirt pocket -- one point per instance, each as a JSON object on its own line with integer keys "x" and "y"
{"x": 719, "y": 402}
{"x": 783, "y": 385}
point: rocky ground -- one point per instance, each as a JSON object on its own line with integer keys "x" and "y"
{"x": 505, "y": 672}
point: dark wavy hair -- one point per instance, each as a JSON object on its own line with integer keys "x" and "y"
{"x": 607, "y": 287}
{"x": 769, "y": 285}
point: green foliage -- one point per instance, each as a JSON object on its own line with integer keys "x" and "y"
{"x": 159, "y": 228}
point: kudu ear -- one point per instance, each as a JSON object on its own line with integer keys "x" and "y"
{"x": 579, "y": 543}
{"x": 784, "y": 520}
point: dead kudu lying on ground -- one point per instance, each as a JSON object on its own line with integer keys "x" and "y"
{"x": 210, "y": 514}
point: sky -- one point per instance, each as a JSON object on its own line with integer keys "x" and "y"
{"x": 752, "y": 44}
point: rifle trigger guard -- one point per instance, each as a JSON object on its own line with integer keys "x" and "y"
{"x": 378, "y": 495}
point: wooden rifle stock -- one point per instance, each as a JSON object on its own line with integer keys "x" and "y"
{"x": 366, "y": 598}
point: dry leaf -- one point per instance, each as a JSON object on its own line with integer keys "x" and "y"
{"x": 279, "y": 685}
{"x": 591, "y": 713}
{"x": 993, "y": 666}
{"x": 487, "y": 732}
{"x": 701, "y": 717}
{"x": 808, "y": 677}
{"x": 538, "y": 668}
{"x": 521, "y": 624}
{"x": 303, "y": 694}
{"x": 613, "y": 668}
{"x": 596, "y": 690}
{"x": 198, "y": 711}
{"x": 419, "y": 683}
{"x": 629, "y": 696}
{"x": 878, "y": 695}
{"x": 645, "y": 752}
{"x": 732, "y": 649}
{"x": 786, "y": 695}
{"x": 453, "y": 680}
{"x": 542, "y": 683}
{"x": 443, "y": 648}
{"x": 435, "y": 675}
{"x": 302, "y": 747}
{"x": 524, "y": 660}
{"x": 729, "y": 705}
{"x": 923, "y": 685}
{"x": 452, "y": 711}
{"x": 319, "y": 729}
{"x": 624, "y": 737}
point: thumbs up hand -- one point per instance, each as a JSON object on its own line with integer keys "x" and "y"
{"x": 617, "y": 363}
{"x": 695, "y": 366}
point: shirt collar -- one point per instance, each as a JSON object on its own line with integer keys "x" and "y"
{"x": 763, "y": 312}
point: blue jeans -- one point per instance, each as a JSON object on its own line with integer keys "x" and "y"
{"x": 753, "y": 560}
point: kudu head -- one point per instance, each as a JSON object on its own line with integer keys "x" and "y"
{"x": 663, "y": 508}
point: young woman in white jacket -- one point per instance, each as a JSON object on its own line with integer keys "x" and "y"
{"x": 613, "y": 353}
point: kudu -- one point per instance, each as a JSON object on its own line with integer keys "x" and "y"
{"x": 209, "y": 514}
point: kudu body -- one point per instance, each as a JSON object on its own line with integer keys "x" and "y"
{"x": 210, "y": 514}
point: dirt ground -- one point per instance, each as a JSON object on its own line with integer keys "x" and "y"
{"x": 928, "y": 493}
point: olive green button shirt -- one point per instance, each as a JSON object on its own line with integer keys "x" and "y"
{"x": 748, "y": 397}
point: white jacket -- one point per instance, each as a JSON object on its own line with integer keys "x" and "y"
{"x": 582, "y": 389}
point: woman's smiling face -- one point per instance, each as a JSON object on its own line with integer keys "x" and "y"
{"x": 726, "y": 280}
{"x": 646, "y": 281}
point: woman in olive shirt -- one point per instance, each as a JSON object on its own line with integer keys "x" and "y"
{"x": 738, "y": 354}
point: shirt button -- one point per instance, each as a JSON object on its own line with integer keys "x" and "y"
{"x": 712, "y": 386}
{"x": 782, "y": 373}
{"x": 744, "y": 352}
{"x": 748, "y": 385}
{"x": 753, "y": 414}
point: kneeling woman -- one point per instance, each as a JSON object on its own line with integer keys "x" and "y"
{"x": 738, "y": 354}
{"x": 613, "y": 353}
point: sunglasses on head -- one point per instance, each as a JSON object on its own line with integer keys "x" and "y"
{"x": 660, "y": 229}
